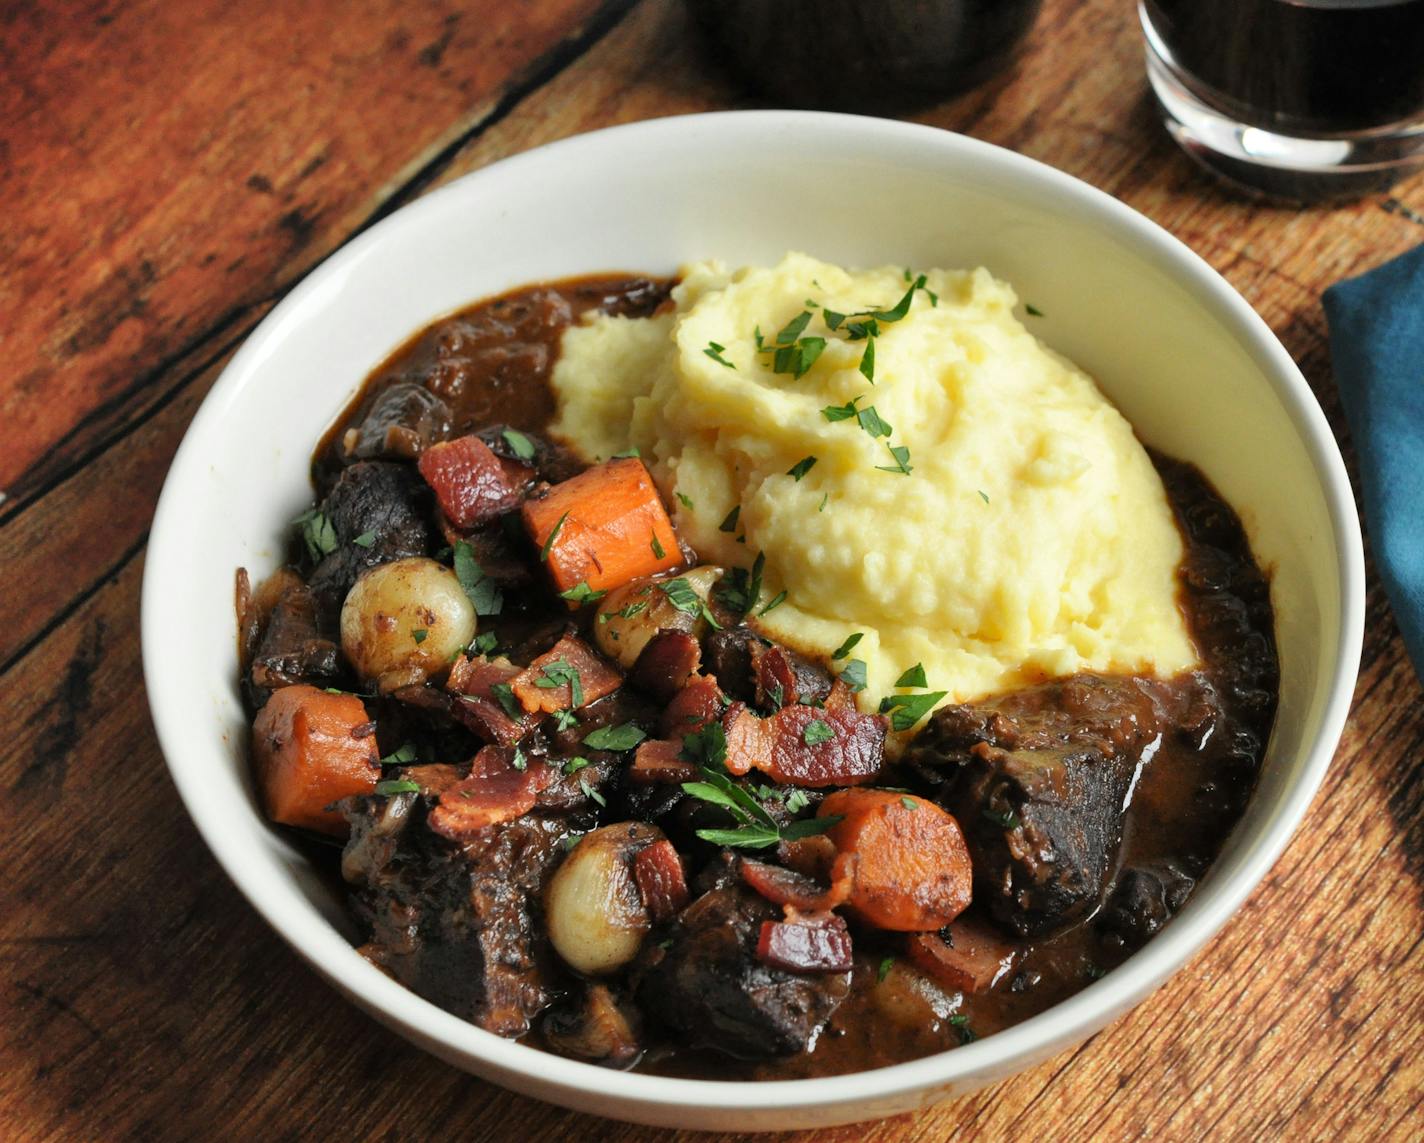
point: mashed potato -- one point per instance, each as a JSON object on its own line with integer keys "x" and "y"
{"x": 1031, "y": 537}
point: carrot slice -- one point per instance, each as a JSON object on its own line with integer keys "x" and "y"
{"x": 603, "y": 527}
{"x": 912, "y": 870}
{"x": 310, "y": 749}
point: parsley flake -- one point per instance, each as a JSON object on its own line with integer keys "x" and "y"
{"x": 419, "y": 634}
{"x": 906, "y": 710}
{"x": 853, "y": 675}
{"x": 397, "y": 786}
{"x": 845, "y": 648}
{"x": 590, "y": 793}
{"x": 816, "y": 732}
{"x": 504, "y": 695}
{"x": 685, "y": 501}
{"x": 914, "y": 677}
{"x": 657, "y": 548}
{"x": 483, "y": 592}
{"x": 1032, "y": 310}
{"x": 886, "y": 964}
{"x": 581, "y": 593}
{"x": 901, "y": 454}
{"x": 622, "y": 737}
{"x": 714, "y": 351}
{"x": 776, "y": 601}
{"x": 365, "y": 540}
{"x": 801, "y": 468}
{"x": 519, "y": 444}
{"x": 574, "y": 765}
{"x": 549, "y": 541}
{"x": 729, "y": 522}
{"x": 401, "y": 756}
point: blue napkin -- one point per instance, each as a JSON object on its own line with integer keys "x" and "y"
{"x": 1377, "y": 343}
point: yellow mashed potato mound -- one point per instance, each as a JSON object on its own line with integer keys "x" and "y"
{"x": 1031, "y": 539}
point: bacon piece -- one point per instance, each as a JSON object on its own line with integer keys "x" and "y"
{"x": 786, "y": 887}
{"x": 477, "y": 706}
{"x": 496, "y": 790}
{"x": 666, "y": 663}
{"x": 434, "y": 778}
{"x": 538, "y": 691}
{"x": 784, "y": 678}
{"x": 841, "y": 697}
{"x": 471, "y": 484}
{"x": 972, "y": 960}
{"x": 777, "y": 745}
{"x": 658, "y": 760}
{"x": 820, "y": 944}
{"x": 658, "y": 872}
{"x": 692, "y": 707}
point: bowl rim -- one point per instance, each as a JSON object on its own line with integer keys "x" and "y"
{"x": 1065, "y": 1023}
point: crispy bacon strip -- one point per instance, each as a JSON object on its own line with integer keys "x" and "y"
{"x": 661, "y": 882}
{"x": 543, "y": 688}
{"x": 692, "y": 707}
{"x": 477, "y": 706}
{"x": 495, "y": 791}
{"x": 787, "y": 887}
{"x": 658, "y": 760}
{"x": 784, "y": 678}
{"x": 471, "y": 484}
{"x": 973, "y": 960}
{"x": 819, "y": 944}
{"x": 666, "y": 663}
{"x": 807, "y": 746}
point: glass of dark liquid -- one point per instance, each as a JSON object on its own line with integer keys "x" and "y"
{"x": 1300, "y": 99}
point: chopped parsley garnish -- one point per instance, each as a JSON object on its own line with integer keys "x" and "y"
{"x": 626, "y": 454}
{"x": 520, "y": 445}
{"x": 867, "y": 361}
{"x": 317, "y": 533}
{"x": 873, "y": 423}
{"x": 914, "y": 677}
{"x": 683, "y": 596}
{"x": 397, "y": 786}
{"x": 581, "y": 593}
{"x": 845, "y": 648}
{"x": 561, "y": 673}
{"x": 788, "y": 333}
{"x": 967, "y": 1034}
{"x": 796, "y": 801}
{"x": 571, "y": 841}
{"x": 1006, "y": 820}
{"x": 1095, "y": 971}
{"x": 909, "y": 803}
{"x": 844, "y": 412}
{"x": 519, "y": 762}
{"x": 483, "y": 592}
{"x": 504, "y": 695}
{"x": 776, "y": 601}
{"x": 401, "y": 756}
{"x": 906, "y": 710}
{"x": 901, "y": 455}
{"x": 984, "y": 496}
{"x": 365, "y": 540}
{"x": 740, "y": 590}
{"x": 574, "y": 765}
{"x": 886, "y": 964}
{"x": 591, "y": 793}
{"x": 1032, "y": 310}
{"x": 622, "y": 737}
{"x": 714, "y": 351}
{"x": 657, "y": 548}
{"x": 902, "y": 307}
{"x": 801, "y": 467}
{"x": 564, "y": 719}
{"x": 729, "y": 521}
{"x": 483, "y": 643}
{"x": 853, "y": 675}
{"x": 817, "y": 732}
{"x": 549, "y": 542}
{"x": 756, "y": 828}
{"x": 419, "y": 634}
{"x": 631, "y": 609}
{"x": 825, "y": 499}
{"x": 685, "y": 501}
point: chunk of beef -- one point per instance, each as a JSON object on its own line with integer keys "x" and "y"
{"x": 595, "y": 1027}
{"x": 385, "y": 503}
{"x": 729, "y": 657}
{"x": 1039, "y": 780}
{"x": 455, "y": 923}
{"x": 1143, "y": 901}
{"x": 291, "y": 649}
{"x": 783, "y": 678}
{"x": 403, "y": 421}
{"x": 710, "y": 988}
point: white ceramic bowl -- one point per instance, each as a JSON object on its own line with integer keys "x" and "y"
{"x": 1194, "y": 369}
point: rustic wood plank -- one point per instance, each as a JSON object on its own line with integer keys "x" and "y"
{"x": 139, "y": 997}
{"x": 145, "y": 205}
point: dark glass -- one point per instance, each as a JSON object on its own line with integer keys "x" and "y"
{"x": 864, "y": 55}
{"x": 1323, "y": 66}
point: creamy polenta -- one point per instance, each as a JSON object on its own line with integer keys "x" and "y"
{"x": 915, "y": 466}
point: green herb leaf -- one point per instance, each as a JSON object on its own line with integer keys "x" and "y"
{"x": 401, "y": 756}
{"x": 816, "y": 732}
{"x": 657, "y": 548}
{"x": 740, "y": 590}
{"x": 504, "y": 694}
{"x": 419, "y": 634}
{"x": 549, "y": 541}
{"x": 574, "y": 765}
{"x": 796, "y": 801}
{"x": 564, "y": 719}
{"x": 788, "y": 333}
{"x": 397, "y": 786}
{"x": 867, "y": 361}
{"x": 902, "y": 307}
{"x": 747, "y": 837}
{"x": 1006, "y": 820}
{"x": 706, "y": 748}
{"x": 1032, "y": 310}
{"x": 914, "y": 677}
{"x": 519, "y": 762}
{"x": 801, "y": 467}
{"x": 886, "y": 964}
{"x": 365, "y": 540}
{"x": 591, "y": 793}
{"x": 901, "y": 454}
{"x": 483, "y": 643}
{"x": 521, "y": 445}
{"x": 622, "y": 737}
{"x": 984, "y": 496}
{"x": 777, "y": 600}
{"x": 317, "y": 534}
{"x": 873, "y": 423}
{"x": 581, "y": 593}
{"x": 714, "y": 351}
{"x": 825, "y": 499}
{"x": 845, "y": 648}
{"x": 906, "y": 710}
{"x": 729, "y": 522}
{"x": 853, "y": 675}
{"x": 844, "y": 412}
{"x": 909, "y": 803}
{"x": 809, "y": 827}
{"x": 483, "y": 592}
{"x": 683, "y": 596}
{"x": 832, "y": 319}
{"x": 562, "y": 673}
{"x": 626, "y": 454}
{"x": 685, "y": 501}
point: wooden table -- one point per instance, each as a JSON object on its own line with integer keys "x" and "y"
{"x": 168, "y": 170}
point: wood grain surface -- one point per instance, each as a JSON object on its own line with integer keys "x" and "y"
{"x": 168, "y": 169}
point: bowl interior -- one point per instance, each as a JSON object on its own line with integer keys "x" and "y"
{"x": 1194, "y": 371}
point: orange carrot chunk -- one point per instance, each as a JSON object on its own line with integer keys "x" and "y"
{"x": 310, "y": 749}
{"x": 603, "y": 527}
{"x": 912, "y": 871}
{"x": 967, "y": 957}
